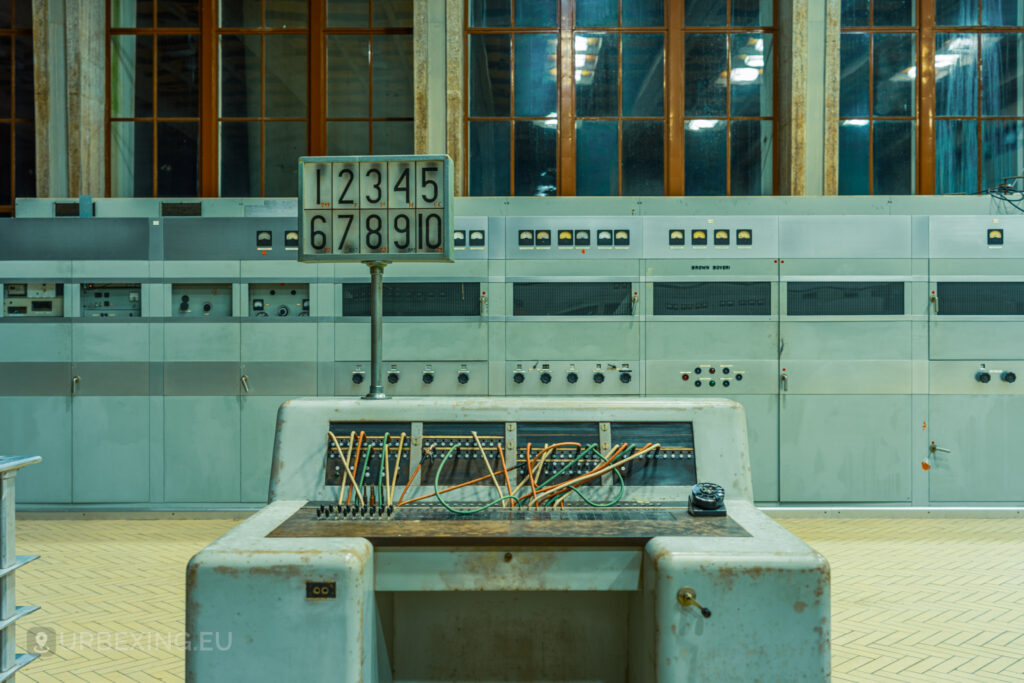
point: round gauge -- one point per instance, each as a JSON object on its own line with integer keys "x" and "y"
{"x": 543, "y": 235}
{"x": 622, "y": 234}
{"x": 676, "y": 235}
{"x": 604, "y": 235}
{"x": 582, "y": 235}
{"x": 291, "y": 235}
{"x": 699, "y": 235}
{"x": 476, "y": 235}
{"x": 995, "y": 234}
{"x": 743, "y": 235}
{"x": 721, "y": 234}
{"x": 263, "y": 236}
{"x": 525, "y": 235}
{"x": 565, "y": 235}
{"x": 459, "y": 234}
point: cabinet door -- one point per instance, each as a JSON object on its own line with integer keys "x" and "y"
{"x": 39, "y": 425}
{"x": 984, "y": 436}
{"x": 259, "y": 420}
{"x": 201, "y": 449}
{"x": 111, "y": 449}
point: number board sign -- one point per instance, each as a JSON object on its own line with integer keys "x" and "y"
{"x": 375, "y": 208}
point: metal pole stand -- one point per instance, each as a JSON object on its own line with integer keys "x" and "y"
{"x": 10, "y": 611}
{"x": 376, "y": 390}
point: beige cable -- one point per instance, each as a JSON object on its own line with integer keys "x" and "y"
{"x": 355, "y": 486}
{"x": 398, "y": 466}
{"x": 490, "y": 470}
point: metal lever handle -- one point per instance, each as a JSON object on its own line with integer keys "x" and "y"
{"x": 687, "y": 597}
{"x": 784, "y": 379}
{"x": 935, "y": 300}
{"x": 74, "y": 384}
{"x": 933, "y": 448}
{"x": 245, "y": 383}
{"x": 632, "y": 303}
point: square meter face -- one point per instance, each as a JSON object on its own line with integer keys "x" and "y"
{"x": 375, "y": 208}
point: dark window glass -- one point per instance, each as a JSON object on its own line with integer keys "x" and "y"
{"x": 393, "y": 137}
{"x": 5, "y": 167}
{"x": 894, "y": 12}
{"x": 392, "y": 77}
{"x": 956, "y": 12}
{"x": 706, "y": 61}
{"x": 537, "y": 13}
{"x": 535, "y": 158}
{"x": 348, "y": 13}
{"x": 751, "y": 157}
{"x": 981, "y": 298}
{"x": 893, "y": 144}
{"x": 348, "y": 70}
{"x": 854, "y": 68}
{"x": 392, "y": 13}
{"x": 414, "y": 299}
{"x": 855, "y": 12}
{"x": 240, "y": 76}
{"x": 1002, "y": 151}
{"x": 712, "y": 298}
{"x": 348, "y": 137}
{"x": 894, "y": 81}
{"x": 956, "y": 156}
{"x": 854, "y": 153}
{"x": 956, "y": 74}
{"x": 24, "y": 159}
{"x": 645, "y": 12}
{"x": 177, "y": 88}
{"x": 750, "y": 75}
{"x": 1002, "y": 13}
{"x": 138, "y": 14}
{"x": 845, "y": 298}
{"x": 705, "y": 167}
{"x": 490, "y": 91}
{"x": 643, "y": 158}
{"x": 535, "y": 74}
{"x": 131, "y": 76}
{"x": 597, "y": 87}
{"x": 285, "y": 75}
{"x": 571, "y": 298}
{"x": 643, "y": 63}
{"x": 6, "y": 99}
{"x": 240, "y": 159}
{"x": 286, "y": 13}
{"x": 24, "y": 78}
{"x": 597, "y": 12}
{"x": 177, "y": 144}
{"x": 131, "y": 158}
{"x": 752, "y": 13}
{"x": 1001, "y": 74}
{"x": 490, "y": 12}
{"x": 705, "y": 13}
{"x": 178, "y": 13}
{"x": 285, "y": 142}
{"x": 597, "y": 158}
{"x": 489, "y": 158}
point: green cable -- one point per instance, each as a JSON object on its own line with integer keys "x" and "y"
{"x": 437, "y": 490}
{"x": 568, "y": 465}
{"x": 618, "y": 497}
{"x": 380, "y": 472}
{"x": 362, "y": 473}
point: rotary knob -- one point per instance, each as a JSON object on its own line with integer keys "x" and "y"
{"x": 545, "y": 378}
{"x": 598, "y": 377}
{"x": 357, "y": 378}
{"x": 1008, "y": 376}
{"x": 572, "y": 377}
{"x": 463, "y": 377}
{"x": 428, "y": 377}
{"x": 983, "y": 376}
{"x": 392, "y": 378}
{"x": 625, "y": 377}
{"x": 518, "y": 377}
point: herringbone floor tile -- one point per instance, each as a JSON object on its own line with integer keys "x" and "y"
{"x": 912, "y": 599}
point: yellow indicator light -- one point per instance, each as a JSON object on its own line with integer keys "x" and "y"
{"x": 676, "y": 234}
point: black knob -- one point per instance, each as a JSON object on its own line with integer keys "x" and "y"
{"x": 428, "y": 377}
{"x": 572, "y": 378}
{"x": 696, "y": 371}
{"x": 545, "y": 378}
{"x": 625, "y": 377}
{"x": 725, "y": 383}
{"x": 697, "y": 383}
{"x": 739, "y": 377}
{"x": 357, "y": 378}
{"x": 392, "y": 378}
{"x": 207, "y": 307}
{"x": 184, "y": 305}
{"x": 282, "y": 311}
{"x": 1009, "y": 376}
{"x": 983, "y": 377}
{"x": 598, "y": 377}
{"x": 518, "y": 377}
{"x": 463, "y": 378}
{"x": 725, "y": 371}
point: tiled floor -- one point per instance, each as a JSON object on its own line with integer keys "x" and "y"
{"x": 912, "y": 599}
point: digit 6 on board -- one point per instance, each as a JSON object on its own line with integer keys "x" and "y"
{"x": 318, "y": 238}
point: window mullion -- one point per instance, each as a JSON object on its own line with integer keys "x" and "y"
{"x": 926, "y": 98}
{"x": 674, "y": 100}
{"x": 566, "y": 166}
{"x": 208, "y": 110}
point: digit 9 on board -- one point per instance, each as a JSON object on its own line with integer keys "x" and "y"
{"x": 375, "y": 208}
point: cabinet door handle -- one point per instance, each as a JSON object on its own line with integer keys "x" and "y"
{"x": 784, "y": 380}
{"x": 74, "y": 384}
{"x": 245, "y": 383}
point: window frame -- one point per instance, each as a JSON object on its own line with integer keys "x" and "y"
{"x": 675, "y": 31}
{"x": 11, "y": 34}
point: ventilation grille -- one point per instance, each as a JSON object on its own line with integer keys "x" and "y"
{"x": 414, "y": 299}
{"x": 981, "y": 298}
{"x": 845, "y": 298}
{"x": 712, "y": 298}
{"x": 571, "y": 298}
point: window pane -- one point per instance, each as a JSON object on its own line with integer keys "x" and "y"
{"x": 597, "y": 158}
{"x": 643, "y": 74}
{"x": 286, "y": 75}
{"x": 956, "y": 74}
{"x": 131, "y": 159}
{"x": 894, "y": 74}
{"x": 5, "y": 168}
{"x": 597, "y": 12}
{"x": 643, "y": 158}
{"x": 124, "y": 13}
{"x": 24, "y": 78}
{"x": 393, "y": 137}
{"x": 706, "y": 62}
{"x": 240, "y": 76}
{"x": 392, "y": 13}
{"x": 286, "y": 142}
{"x": 348, "y": 137}
{"x": 597, "y": 74}
{"x": 24, "y": 159}
{"x": 489, "y": 81}
{"x": 1002, "y": 151}
{"x": 5, "y": 77}
{"x": 489, "y": 158}
{"x": 750, "y": 79}
{"x": 853, "y": 156}
{"x": 894, "y": 13}
{"x": 489, "y": 12}
{"x": 1002, "y": 13}
{"x": 392, "y": 76}
{"x": 177, "y": 169}
{"x": 535, "y": 158}
{"x": 177, "y": 75}
{"x": 240, "y": 13}
{"x": 956, "y": 156}
{"x": 643, "y": 12}
{"x": 131, "y": 76}
{"x": 704, "y": 151}
{"x": 179, "y": 13}
{"x": 1001, "y": 75}
{"x": 894, "y": 157}
{"x": 348, "y": 13}
{"x": 537, "y": 13}
{"x": 705, "y": 13}
{"x": 536, "y": 55}
{"x": 348, "y": 72}
{"x": 240, "y": 159}
{"x": 956, "y": 12}
{"x": 285, "y": 14}
{"x": 750, "y": 150}
{"x": 855, "y": 12}
{"x": 854, "y": 70}
{"x": 752, "y": 13}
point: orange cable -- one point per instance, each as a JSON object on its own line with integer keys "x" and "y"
{"x": 355, "y": 467}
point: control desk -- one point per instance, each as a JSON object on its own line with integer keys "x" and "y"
{"x": 468, "y": 539}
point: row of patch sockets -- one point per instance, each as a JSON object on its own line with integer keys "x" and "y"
{"x": 369, "y": 450}
{"x": 393, "y": 375}
{"x": 435, "y": 448}
{"x": 553, "y": 465}
{"x": 572, "y": 375}
{"x": 706, "y": 373}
